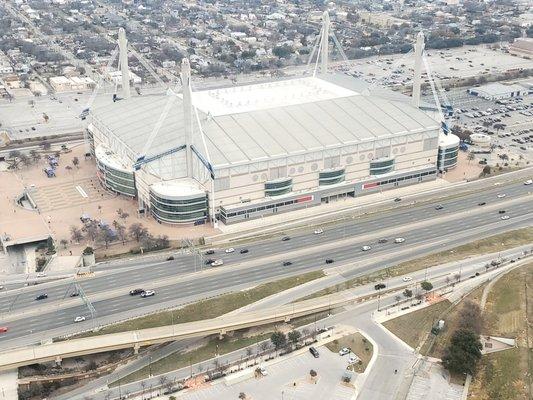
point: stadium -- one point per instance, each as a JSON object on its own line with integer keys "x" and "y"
{"x": 240, "y": 152}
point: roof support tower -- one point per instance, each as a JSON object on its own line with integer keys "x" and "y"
{"x": 417, "y": 78}
{"x": 123, "y": 60}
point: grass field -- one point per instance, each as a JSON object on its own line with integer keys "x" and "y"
{"x": 359, "y": 345}
{"x": 506, "y": 375}
{"x": 491, "y": 244}
{"x": 412, "y": 328}
{"x": 180, "y": 360}
{"x": 210, "y": 308}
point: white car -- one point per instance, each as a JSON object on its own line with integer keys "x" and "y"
{"x": 528, "y": 182}
{"x": 79, "y": 319}
{"x": 263, "y": 371}
{"x": 399, "y": 240}
{"x": 366, "y": 248}
{"x": 1, "y": 287}
{"x": 504, "y": 217}
{"x": 501, "y": 195}
{"x": 344, "y": 351}
{"x": 353, "y": 359}
{"x": 217, "y": 263}
{"x": 41, "y": 275}
{"x": 148, "y": 293}
{"x": 407, "y": 279}
{"x": 319, "y": 231}
{"x": 230, "y": 250}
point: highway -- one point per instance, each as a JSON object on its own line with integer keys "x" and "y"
{"x": 424, "y": 228}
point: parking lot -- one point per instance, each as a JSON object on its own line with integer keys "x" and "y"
{"x": 288, "y": 380}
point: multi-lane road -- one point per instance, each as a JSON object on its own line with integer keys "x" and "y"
{"x": 423, "y": 226}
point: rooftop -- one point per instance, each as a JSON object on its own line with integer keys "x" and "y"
{"x": 324, "y": 113}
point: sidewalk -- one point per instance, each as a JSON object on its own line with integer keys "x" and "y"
{"x": 9, "y": 385}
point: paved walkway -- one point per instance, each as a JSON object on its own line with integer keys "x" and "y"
{"x": 9, "y": 385}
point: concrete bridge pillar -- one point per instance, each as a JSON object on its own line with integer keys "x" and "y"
{"x": 136, "y": 348}
{"x": 58, "y": 360}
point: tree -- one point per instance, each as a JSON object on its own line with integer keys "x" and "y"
{"x": 121, "y": 231}
{"x": 408, "y": 293}
{"x": 64, "y": 243}
{"x": 45, "y": 145}
{"x": 486, "y": 170}
{"x": 106, "y": 235}
{"x": 75, "y": 162}
{"x": 138, "y": 231}
{"x": 463, "y": 352}
{"x": 397, "y": 298}
{"x": 427, "y": 286}
{"x": 471, "y": 319}
{"x": 35, "y": 156}
{"x": 278, "y": 339}
{"x": 76, "y": 234}
{"x": 470, "y": 157}
{"x": 242, "y": 396}
{"x": 313, "y": 373}
{"x": 14, "y": 154}
{"x": 91, "y": 229}
{"x": 294, "y": 336}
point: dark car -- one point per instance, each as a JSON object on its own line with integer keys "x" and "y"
{"x": 314, "y": 352}
{"x": 482, "y": 203}
{"x": 397, "y": 199}
{"x": 501, "y": 212}
{"x": 170, "y": 258}
{"x": 285, "y": 238}
{"x": 380, "y": 286}
{"x": 439, "y": 207}
{"x": 75, "y": 294}
{"x": 286, "y": 263}
{"x": 329, "y": 261}
{"x": 244, "y": 251}
{"x": 211, "y": 251}
{"x": 42, "y": 296}
{"x": 209, "y": 261}
{"x": 382, "y": 240}
{"x": 135, "y": 292}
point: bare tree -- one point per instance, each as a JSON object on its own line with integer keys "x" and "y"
{"x": 64, "y": 243}
{"x": 45, "y": 145}
{"x": 106, "y": 236}
{"x": 76, "y": 234}
{"x": 91, "y": 229}
{"x": 121, "y": 231}
{"x": 138, "y": 231}
{"x": 75, "y": 162}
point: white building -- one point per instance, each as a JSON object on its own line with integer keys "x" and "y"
{"x": 496, "y": 91}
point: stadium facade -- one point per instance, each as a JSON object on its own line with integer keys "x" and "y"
{"x": 241, "y": 152}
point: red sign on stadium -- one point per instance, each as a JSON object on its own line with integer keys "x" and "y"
{"x": 304, "y": 199}
{"x": 369, "y": 185}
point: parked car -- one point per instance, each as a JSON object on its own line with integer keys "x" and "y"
{"x": 79, "y": 319}
{"x": 501, "y": 212}
{"x": 135, "y": 292}
{"x": 344, "y": 351}
{"x": 209, "y": 261}
{"x": 170, "y": 258}
{"x": 42, "y": 296}
{"x": 41, "y": 275}
{"x": 353, "y": 359}
{"x": 148, "y": 293}
{"x": 314, "y": 352}
{"x": 263, "y": 371}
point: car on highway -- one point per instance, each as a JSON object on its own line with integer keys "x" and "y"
{"x": 285, "y": 238}
{"x": 209, "y": 261}
{"x": 42, "y": 296}
{"x": 244, "y": 251}
{"x": 148, "y": 293}
{"x": 209, "y": 252}
{"x": 501, "y": 195}
{"x": 217, "y": 263}
{"x": 380, "y": 286}
{"x": 504, "y": 217}
{"x": 344, "y": 351}
{"x": 383, "y": 240}
{"x": 439, "y": 207}
{"x": 41, "y": 275}
{"x": 170, "y": 258}
{"x": 501, "y": 212}
{"x": 79, "y": 319}
{"x": 230, "y": 250}
{"x": 135, "y": 292}
{"x": 329, "y": 261}
{"x": 528, "y": 182}
{"x": 399, "y": 240}
{"x": 74, "y": 294}
{"x": 366, "y": 248}
{"x": 318, "y": 231}
{"x": 3, "y": 329}
{"x": 314, "y": 352}
{"x": 407, "y": 279}
{"x": 286, "y": 263}
{"x": 482, "y": 203}
{"x": 1, "y": 287}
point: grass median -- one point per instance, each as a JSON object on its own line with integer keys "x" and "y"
{"x": 210, "y": 308}
{"x": 491, "y": 244}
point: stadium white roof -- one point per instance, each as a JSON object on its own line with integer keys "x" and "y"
{"x": 329, "y": 112}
